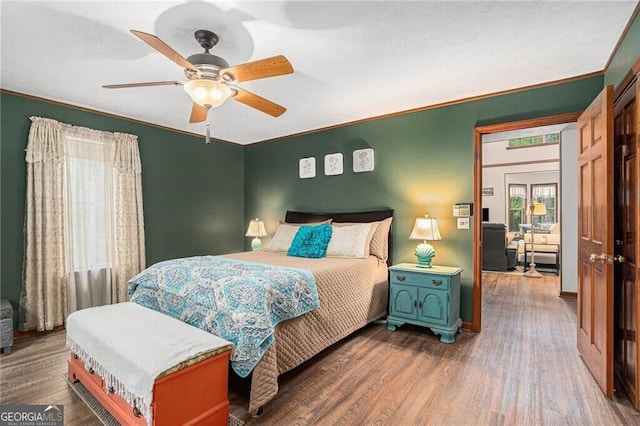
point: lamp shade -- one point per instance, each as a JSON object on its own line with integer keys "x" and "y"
{"x": 539, "y": 209}
{"x": 425, "y": 229}
{"x": 256, "y": 229}
{"x": 207, "y": 93}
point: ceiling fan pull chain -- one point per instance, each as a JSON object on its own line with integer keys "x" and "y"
{"x": 207, "y": 138}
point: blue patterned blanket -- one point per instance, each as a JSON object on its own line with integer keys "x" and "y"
{"x": 237, "y": 300}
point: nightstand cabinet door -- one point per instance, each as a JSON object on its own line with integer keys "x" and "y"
{"x": 427, "y": 297}
{"x": 433, "y": 306}
{"x": 404, "y": 301}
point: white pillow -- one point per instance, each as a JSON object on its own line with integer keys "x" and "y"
{"x": 351, "y": 241}
{"x": 283, "y": 237}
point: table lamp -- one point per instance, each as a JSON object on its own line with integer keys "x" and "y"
{"x": 256, "y": 229}
{"x": 425, "y": 229}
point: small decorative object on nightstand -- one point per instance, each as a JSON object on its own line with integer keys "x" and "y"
{"x": 256, "y": 229}
{"x": 426, "y": 297}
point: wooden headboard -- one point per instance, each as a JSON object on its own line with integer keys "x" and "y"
{"x": 368, "y": 216}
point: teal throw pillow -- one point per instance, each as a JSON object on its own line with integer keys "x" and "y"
{"x": 311, "y": 241}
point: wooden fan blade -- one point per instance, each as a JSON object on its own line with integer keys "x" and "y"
{"x": 263, "y": 68}
{"x": 258, "y": 102}
{"x": 163, "y": 48}
{"x": 198, "y": 113}
{"x": 151, "y": 83}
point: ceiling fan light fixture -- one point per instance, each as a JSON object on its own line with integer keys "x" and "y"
{"x": 207, "y": 93}
{"x": 208, "y": 74}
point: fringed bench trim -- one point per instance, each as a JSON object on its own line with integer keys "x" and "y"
{"x": 111, "y": 382}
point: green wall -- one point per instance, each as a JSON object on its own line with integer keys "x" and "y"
{"x": 423, "y": 163}
{"x": 625, "y": 56}
{"x": 192, "y": 192}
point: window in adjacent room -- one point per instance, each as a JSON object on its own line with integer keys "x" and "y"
{"x": 517, "y": 205}
{"x": 547, "y": 194}
{"x": 534, "y": 140}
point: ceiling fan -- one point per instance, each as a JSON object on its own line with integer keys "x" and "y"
{"x": 210, "y": 78}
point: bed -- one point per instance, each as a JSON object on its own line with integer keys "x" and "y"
{"x": 352, "y": 292}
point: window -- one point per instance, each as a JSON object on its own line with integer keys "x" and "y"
{"x": 534, "y": 140}
{"x": 84, "y": 224}
{"x": 517, "y": 205}
{"x": 546, "y": 194}
{"x": 89, "y": 197}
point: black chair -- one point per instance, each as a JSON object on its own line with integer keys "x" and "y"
{"x": 497, "y": 254}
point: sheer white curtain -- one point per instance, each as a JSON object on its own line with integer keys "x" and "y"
{"x": 89, "y": 213}
{"x": 98, "y": 222}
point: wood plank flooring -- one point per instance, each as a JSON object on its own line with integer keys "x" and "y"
{"x": 523, "y": 369}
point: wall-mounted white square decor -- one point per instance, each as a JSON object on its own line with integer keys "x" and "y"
{"x": 333, "y": 164}
{"x": 307, "y": 168}
{"x": 363, "y": 160}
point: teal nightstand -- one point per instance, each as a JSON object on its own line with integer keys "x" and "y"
{"x": 429, "y": 297}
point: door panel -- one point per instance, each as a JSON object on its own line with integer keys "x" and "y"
{"x": 584, "y": 222}
{"x": 630, "y": 205}
{"x": 595, "y": 245}
{"x": 584, "y": 309}
{"x": 599, "y": 217}
{"x": 599, "y": 337}
{"x": 631, "y": 331}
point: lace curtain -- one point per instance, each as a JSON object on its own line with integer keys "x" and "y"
{"x": 84, "y": 228}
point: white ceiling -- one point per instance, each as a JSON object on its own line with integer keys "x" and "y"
{"x": 352, "y": 59}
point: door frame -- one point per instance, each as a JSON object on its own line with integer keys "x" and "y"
{"x": 478, "y": 132}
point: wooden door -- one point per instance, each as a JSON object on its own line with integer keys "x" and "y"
{"x": 595, "y": 239}
{"x": 627, "y": 224}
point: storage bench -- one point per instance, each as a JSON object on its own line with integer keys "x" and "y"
{"x": 6, "y": 326}
{"x": 115, "y": 348}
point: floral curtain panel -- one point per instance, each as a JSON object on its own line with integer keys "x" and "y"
{"x": 84, "y": 227}
{"x": 129, "y": 219}
{"x": 43, "y": 303}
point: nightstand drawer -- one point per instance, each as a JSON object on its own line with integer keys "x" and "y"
{"x": 421, "y": 280}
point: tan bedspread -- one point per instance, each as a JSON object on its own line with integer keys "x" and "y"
{"x": 353, "y": 292}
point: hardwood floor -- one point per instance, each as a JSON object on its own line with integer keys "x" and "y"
{"x": 522, "y": 369}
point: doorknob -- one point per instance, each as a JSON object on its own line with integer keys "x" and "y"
{"x": 606, "y": 258}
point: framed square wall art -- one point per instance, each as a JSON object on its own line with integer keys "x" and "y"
{"x": 333, "y": 164}
{"x": 363, "y": 160}
{"x": 307, "y": 168}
